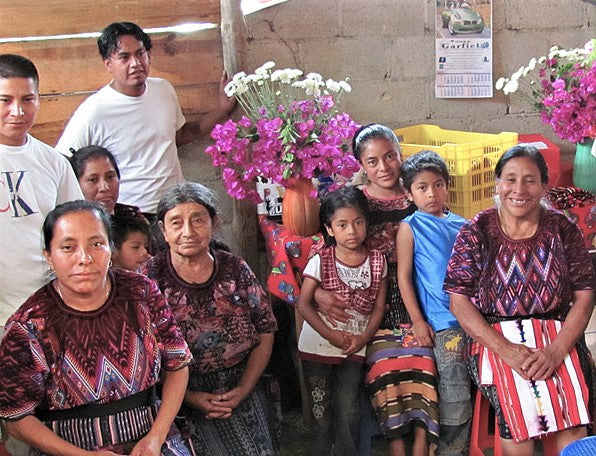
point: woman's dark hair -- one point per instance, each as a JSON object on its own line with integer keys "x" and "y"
{"x": 79, "y": 159}
{"x": 348, "y": 196}
{"x": 109, "y": 40}
{"x": 73, "y": 207}
{"x": 523, "y": 150}
{"x": 425, "y": 160}
{"x": 125, "y": 224}
{"x": 367, "y": 133}
{"x": 17, "y": 66}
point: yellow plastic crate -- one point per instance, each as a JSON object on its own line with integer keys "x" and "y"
{"x": 470, "y": 158}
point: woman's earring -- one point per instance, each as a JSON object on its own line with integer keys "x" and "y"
{"x": 110, "y": 264}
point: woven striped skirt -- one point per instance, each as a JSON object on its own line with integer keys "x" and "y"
{"x": 528, "y": 408}
{"x": 119, "y": 432}
{"x": 402, "y": 383}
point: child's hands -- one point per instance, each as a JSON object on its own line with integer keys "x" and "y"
{"x": 356, "y": 344}
{"x": 424, "y": 334}
{"x": 339, "y": 339}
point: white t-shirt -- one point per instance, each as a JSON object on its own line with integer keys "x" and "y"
{"x": 34, "y": 179}
{"x": 139, "y": 131}
{"x": 355, "y": 277}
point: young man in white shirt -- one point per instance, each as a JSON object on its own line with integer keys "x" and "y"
{"x": 34, "y": 178}
{"x": 137, "y": 118}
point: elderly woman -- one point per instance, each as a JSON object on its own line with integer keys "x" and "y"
{"x": 521, "y": 284}
{"x": 227, "y": 321}
{"x": 99, "y": 178}
{"x": 81, "y": 357}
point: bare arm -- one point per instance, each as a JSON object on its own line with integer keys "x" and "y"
{"x": 174, "y": 386}
{"x": 476, "y": 326}
{"x": 191, "y": 131}
{"x": 405, "y": 265}
{"x": 542, "y": 363}
{"x": 34, "y": 433}
{"x": 332, "y": 305}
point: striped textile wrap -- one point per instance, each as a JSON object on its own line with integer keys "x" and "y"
{"x": 105, "y": 431}
{"x": 532, "y": 408}
{"x": 402, "y": 384}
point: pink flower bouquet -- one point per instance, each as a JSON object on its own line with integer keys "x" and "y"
{"x": 292, "y": 128}
{"x": 562, "y": 86}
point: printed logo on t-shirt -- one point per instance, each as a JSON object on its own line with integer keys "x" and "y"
{"x": 11, "y": 181}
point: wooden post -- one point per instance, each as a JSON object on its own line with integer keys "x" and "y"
{"x": 233, "y": 36}
{"x": 244, "y": 216}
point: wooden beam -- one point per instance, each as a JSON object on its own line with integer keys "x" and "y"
{"x": 233, "y": 35}
{"x": 58, "y": 17}
{"x": 244, "y": 214}
{"x": 74, "y": 66}
{"x": 56, "y": 110}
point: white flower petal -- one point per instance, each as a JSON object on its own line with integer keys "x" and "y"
{"x": 345, "y": 86}
{"x": 332, "y": 85}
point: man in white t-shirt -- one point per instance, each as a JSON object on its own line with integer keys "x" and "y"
{"x": 34, "y": 178}
{"x": 137, "y": 118}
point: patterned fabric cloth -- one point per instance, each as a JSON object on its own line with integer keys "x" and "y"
{"x": 385, "y": 215}
{"x": 536, "y": 407}
{"x": 221, "y": 320}
{"x": 53, "y": 357}
{"x": 530, "y": 277}
{"x": 121, "y": 210}
{"x": 288, "y": 254}
{"x": 580, "y": 207}
{"x": 364, "y": 281}
{"x": 361, "y": 299}
{"x": 401, "y": 380}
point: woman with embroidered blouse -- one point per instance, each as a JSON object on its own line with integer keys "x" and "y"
{"x": 80, "y": 359}
{"x": 227, "y": 321}
{"x": 521, "y": 285}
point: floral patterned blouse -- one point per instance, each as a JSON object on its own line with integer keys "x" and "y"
{"x": 221, "y": 319}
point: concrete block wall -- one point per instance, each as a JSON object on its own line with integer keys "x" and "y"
{"x": 386, "y": 48}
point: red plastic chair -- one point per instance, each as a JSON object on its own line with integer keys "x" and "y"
{"x": 482, "y": 437}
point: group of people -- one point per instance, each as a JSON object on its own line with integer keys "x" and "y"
{"x": 420, "y": 302}
{"x": 95, "y": 357}
{"x": 109, "y": 350}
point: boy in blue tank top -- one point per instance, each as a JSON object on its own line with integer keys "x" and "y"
{"x": 424, "y": 243}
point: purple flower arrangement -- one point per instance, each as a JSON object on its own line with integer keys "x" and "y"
{"x": 562, "y": 86}
{"x": 291, "y": 128}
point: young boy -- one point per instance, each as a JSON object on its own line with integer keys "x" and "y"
{"x": 131, "y": 241}
{"x": 34, "y": 178}
{"x": 424, "y": 243}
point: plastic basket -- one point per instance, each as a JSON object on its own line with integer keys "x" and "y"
{"x": 470, "y": 158}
